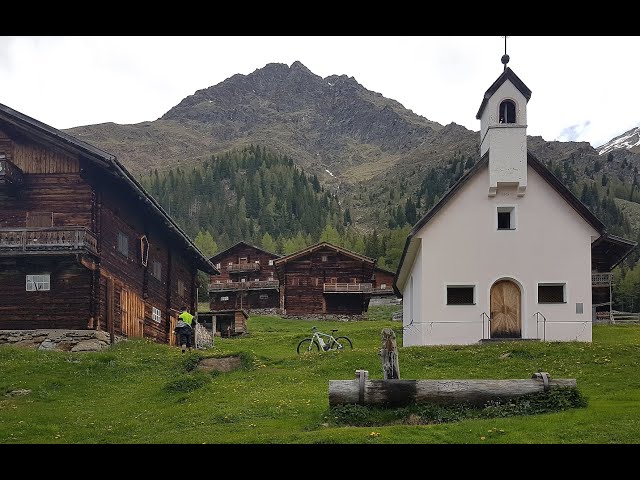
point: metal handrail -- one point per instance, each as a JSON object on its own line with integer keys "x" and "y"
{"x": 483, "y": 315}
{"x": 544, "y": 325}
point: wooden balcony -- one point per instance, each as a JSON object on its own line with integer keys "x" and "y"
{"x": 348, "y": 288}
{"x": 236, "y": 286}
{"x": 10, "y": 175}
{"x": 243, "y": 267}
{"x": 50, "y": 240}
{"x": 601, "y": 279}
{"x": 383, "y": 291}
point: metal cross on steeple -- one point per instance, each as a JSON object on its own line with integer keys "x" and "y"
{"x": 505, "y": 57}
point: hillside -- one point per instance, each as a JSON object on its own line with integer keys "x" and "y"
{"x": 138, "y": 392}
{"x": 354, "y": 140}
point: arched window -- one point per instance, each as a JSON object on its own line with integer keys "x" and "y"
{"x": 507, "y": 112}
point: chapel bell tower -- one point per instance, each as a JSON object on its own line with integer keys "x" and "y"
{"x": 503, "y": 130}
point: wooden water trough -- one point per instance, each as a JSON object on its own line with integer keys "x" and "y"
{"x": 400, "y": 393}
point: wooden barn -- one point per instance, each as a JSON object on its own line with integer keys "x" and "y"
{"x": 82, "y": 245}
{"x": 324, "y": 279}
{"x": 247, "y": 279}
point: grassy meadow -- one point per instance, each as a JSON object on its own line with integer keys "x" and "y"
{"x": 139, "y": 392}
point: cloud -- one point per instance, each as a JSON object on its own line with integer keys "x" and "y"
{"x": 573, "y": 133}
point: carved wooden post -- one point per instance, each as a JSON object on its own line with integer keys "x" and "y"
{"x": 388, "y": 353}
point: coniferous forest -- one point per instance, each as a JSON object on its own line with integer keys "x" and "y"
{"x": 263, "y": 198}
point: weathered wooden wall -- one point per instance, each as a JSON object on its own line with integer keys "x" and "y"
{"x": 52, "y": 184}
{"x": 303, "y": 278}
{"x": 117, "y": 216}
{"x": 53, "y": 189}
{"x": 65, "y": 305}
{"x": 382, "y": 277}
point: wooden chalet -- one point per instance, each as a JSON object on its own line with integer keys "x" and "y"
{"x": 82, "y": 245}
{"x": 324, "y": 279}
{"x": 247, "y": 279}
{"x": 382, "y": 282}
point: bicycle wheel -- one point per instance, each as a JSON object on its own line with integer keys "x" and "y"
{"x": 341, "y": 343}
{"x": 307, "y": 345}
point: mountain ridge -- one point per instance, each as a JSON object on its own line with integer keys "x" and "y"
{"x": 333, "y": 127}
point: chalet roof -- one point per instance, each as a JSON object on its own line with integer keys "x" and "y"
{"x": 508, "y": 74}
{"x": 224, "y": 252}
{"x": 620, "y": 247}
{"x": 390, "y": 272}
{"x": 110, "y": 164}
{"x": 609, "y": 250}
{"x": 317, "y": 246}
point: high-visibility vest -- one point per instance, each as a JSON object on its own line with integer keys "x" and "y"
{"x": 186, "y": 317}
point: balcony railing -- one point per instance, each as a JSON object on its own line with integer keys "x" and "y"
{"x": 348, "y": 288}
{"x": 255, "y": 285}
{"x": 243, "y": 267}
{"x": 9, "y": 173}
{"x": 383, "y": 291}
{"x": 601, "y": 279}
{"x": 47, "y": 240}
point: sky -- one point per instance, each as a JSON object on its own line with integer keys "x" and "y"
{"x": 583, "y": 88}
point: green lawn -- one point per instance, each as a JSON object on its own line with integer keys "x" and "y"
{"x": 141, "y": 392}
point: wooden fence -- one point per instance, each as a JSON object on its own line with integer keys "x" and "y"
{"x": 624, "y": 317}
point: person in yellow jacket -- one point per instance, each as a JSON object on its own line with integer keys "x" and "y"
{"x": 184, "y": 328}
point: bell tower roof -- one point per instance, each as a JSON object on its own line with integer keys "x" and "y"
{"x": 508, "y": 74}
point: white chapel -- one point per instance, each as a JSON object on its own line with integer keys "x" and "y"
{"x": 508, "y": 252}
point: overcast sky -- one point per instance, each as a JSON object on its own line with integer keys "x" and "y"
{"x": 584, "y": 88}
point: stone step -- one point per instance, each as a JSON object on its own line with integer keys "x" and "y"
{"x": 495, "y": 340}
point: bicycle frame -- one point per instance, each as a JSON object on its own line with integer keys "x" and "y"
{"x": 317, "y": 336}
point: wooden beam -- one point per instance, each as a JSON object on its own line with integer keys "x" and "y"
{"x": 398, "y": 393}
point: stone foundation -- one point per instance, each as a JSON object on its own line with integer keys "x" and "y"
{"x": 334, "y": 317}
{"x": 265, "y": 311}
{"x": 58, "y": 339}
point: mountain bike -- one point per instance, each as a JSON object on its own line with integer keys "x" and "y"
{"x": 324, "y": 341}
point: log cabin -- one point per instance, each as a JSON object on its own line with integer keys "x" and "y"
{"x": 82, "y": 245}
{"x": 324, "y": 279}
{"x": 247, "y": 279}
{"x": 382, "y": 282}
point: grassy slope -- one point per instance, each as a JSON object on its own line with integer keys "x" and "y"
{"x": 124, "y": 395}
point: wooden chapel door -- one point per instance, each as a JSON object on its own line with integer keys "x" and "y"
{"x": 505, "y": 310}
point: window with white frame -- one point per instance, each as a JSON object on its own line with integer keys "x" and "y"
{"x": 325, "y": 258}
{"x": 181, "y": 288}
{"x": 506, "y": 218}
{"x": 270, "y": 262}
{"x": 218, "y": 266}
{"x": 383, "y": 286}
{"x": 224, "y": 299}
{"x": 37, "y": 283}
{"x": 552, "y": 293}
{"x": 156, "y": 314}
{"x": 461, "y": 295}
